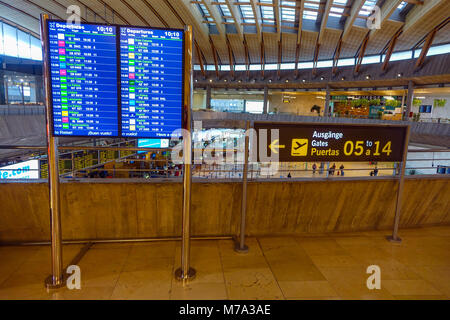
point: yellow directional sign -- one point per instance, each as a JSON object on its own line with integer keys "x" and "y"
{"x": 299, "y": 147}
{"x": 274, "y": 146}
{"x": 308, "y": 142}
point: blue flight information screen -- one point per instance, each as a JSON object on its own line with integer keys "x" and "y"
{"x": 84, "y": 84}
{"x": 151, "y": 71}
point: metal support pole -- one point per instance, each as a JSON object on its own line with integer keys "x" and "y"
{"x": 55, "y": 280}
{"x": 186, "y": 272}
{"x": 398, "y": 205}
{"x": 241, "y": 247}
{"x": 326, "y": 111}
{"x": 208, "y": 97}
{"x": 266, "y": 100}
{"x": 409, "y": 100}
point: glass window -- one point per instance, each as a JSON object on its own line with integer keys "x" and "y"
{"x": 23, "y": 44}
{"x": 370, "y": 59}
{"x": 240, "y": 67}
{"x": 401, "y": 5}
{"x": 324, "y": 64}
{"x": 10, "y": 40}
{"x": 254, "y": 106}
{"x": 366, "y": 9}
{"x": 417, "y": 53}
{"x": 439, "y": 50}
{"x": 305, "y": 65}
{"x": 272, "y": 66}
{"x": 287, "y": 66}
{"x": 255, "y": 67}
{"x": 227, "y": 105}
{"x": 401, "y": 56}
{"x": 36, "y": 49}
{"x": 1, "y": 38}
{"x": 247, "y": 13}
{"x": 311, "y": 14}
{"x": 225, "y": 67}
{"x": 288, "y": 14}
{"x": 225, "y": 11}
{"x": 17, "y": 43}
{"x": 346, "y": 62}
{"x": 267, "y": 12}
{"x": 21, "y": 88}
{"x": 197, "y": 67}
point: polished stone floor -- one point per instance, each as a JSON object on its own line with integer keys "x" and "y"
{"x": 331, "y": 266}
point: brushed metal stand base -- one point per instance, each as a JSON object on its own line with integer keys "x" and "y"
{"x": 190, "y": 275}
{"x": 49, "y": 283}
{"x": 391, "y": 239}
{"x": 238, "y": 248}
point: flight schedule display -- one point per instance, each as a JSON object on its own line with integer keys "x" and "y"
{"x": 83, "y": 71}
{"x": 151, "y": 73}
{"x": 115, "y": 81}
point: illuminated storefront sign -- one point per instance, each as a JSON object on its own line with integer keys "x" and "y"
{"x": 23, "y": 170}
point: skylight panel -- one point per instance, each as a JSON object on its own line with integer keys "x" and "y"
{"x": 366, "y": 9}
{"x": 401, "y": 5}
{"x": 225, "y": 10}
{"x": 267, "y": 11}
{"x": 247, "y": 13}
{"x": 226, "y": 13}
{"x": 288, "y": 14}
{"x": 336, "y": 12}
{"x": 309, "y": 15}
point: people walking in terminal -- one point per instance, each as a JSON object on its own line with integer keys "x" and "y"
{"x": 375, "y": 172}
{"x": 341, "y": 168}
{"x": 314, "y": 167}
{"x": 333, "y": 169}
{"x": 289, "y": 175}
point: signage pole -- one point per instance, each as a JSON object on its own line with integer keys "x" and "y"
{"x": 55, "y": 280}
{"x": 398, "y": 205}
{"x": 241, "y": 247}
{"x": 186, "y": 272}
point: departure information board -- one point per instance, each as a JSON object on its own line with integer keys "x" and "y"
{"x": 151, "y": 81}
{"x": 115, "y": 81}
{"x": 83, "y": 71}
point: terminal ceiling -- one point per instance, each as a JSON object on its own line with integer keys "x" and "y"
{"x": 260, "y": 31}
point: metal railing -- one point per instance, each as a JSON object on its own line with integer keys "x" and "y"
{"x": 122, "y": 160}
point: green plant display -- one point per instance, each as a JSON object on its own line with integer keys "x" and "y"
{"x": 417, "y": 102}
{"x": 392, "y": 103}
{"x": 355, "y": 103}
{"x": 440, "y": 102}
{"x": 375, "y": 102}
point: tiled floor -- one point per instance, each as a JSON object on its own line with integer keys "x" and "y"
{"x": 329, "y": 266}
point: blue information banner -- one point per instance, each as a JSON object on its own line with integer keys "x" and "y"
{"x": 83, "y": 71}
{"x": 151, "y": 73}
{"x": 153, "y": 143}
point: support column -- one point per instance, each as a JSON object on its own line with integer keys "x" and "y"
{"x": 39, "y": 89}
{"x": 326, "y": 112}
{"x": 2, "y": 88}
{"x": 409, "y": 100}
{"x": 266, "y": 100}
{"x": 208, "y": 97}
